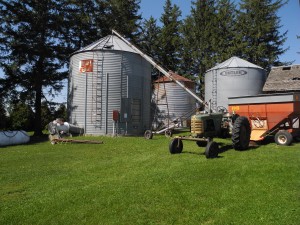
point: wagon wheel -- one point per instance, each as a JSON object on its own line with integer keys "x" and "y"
{"x": 283, "y": 137}
{"x": 212, "y": 150}
{"x": 148, "y": 134}
{"x": 241, "y": 133}
{"x": 175, "y": 146}
{"x": 168, "y": 133}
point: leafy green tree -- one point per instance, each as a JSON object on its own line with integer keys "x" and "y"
{"x": 199, "y": 37}
{"x": 61, "y": 112}
{"x": 169, "y": 38}
{"x": 123, "y": 16}
{"x": 259, "y": 40}
{"x": 93, "y": 19}
{"x": 82, "y": 27}
{"x": 187, "y": 64}
{"x": 33, "y": 55}
{"x": 21, "y": 117}
{"x": 148, "y": 40}
{"x": 47, "y": 115}
{"x": 225, "y": 29}
{"x": 3, "y": 120}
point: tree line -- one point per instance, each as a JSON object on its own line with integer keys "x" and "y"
{"x": 20, "y": 116}
{"x": 38, "y": 36}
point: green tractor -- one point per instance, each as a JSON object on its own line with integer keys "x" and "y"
{"x": 206, "y": 126}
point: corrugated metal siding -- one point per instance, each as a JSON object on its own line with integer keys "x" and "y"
{"x": 179, "y": 101}
{"x": 233, "y": 82}
{"x": 125, "y": 75}
{"x": 139, "y": 91}
{"x": 113, "y": 71}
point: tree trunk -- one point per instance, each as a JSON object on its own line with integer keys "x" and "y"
{"x": 37, "y": 105}
{"x": 38, "y": 130}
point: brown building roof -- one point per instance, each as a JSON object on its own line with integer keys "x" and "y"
{"x": 283, "y": 78}
{"x": 176, "y": 77}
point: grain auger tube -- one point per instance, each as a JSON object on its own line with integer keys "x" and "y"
{"x": 157, "y": 66}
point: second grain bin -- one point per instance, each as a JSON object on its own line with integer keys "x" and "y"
{"x": 232, "y": 78}
{"x": 172, "y": 101}
{"x": 109, "y": 89}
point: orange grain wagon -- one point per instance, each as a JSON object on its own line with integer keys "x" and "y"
{"x": 270, "y": 114}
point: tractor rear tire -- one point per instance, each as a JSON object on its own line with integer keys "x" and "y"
{"x": 175, "y": 146}
{"x": 211, "y": 150}
{"x": 241, "y": 133}
{"x": 283, "y": 137}
{"x": 148, "y": 134}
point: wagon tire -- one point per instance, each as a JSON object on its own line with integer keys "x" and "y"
{"x": 148, "y": 134}
{"x": 175, "y": 146}
{"x": 211, "y": 150}
{"x": 241, "y": 133}
{"x": 283, "y": 137}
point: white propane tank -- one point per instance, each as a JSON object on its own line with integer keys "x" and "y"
{"x": 63, "y": 127}
{"x": 15, "y": 137}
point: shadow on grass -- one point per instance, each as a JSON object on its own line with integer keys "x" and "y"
{"x": 33, "y": 140}
{"x": 270, "y": 140}
{"x": 38, "y": 139}
{"x": 224, "y": 148}
{"x": 200, "y": 154}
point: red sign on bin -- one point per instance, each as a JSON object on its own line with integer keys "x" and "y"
{"x": 86, "y": 66}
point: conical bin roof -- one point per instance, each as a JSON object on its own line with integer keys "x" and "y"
{"x": 176, "y": 76}
{"x": 235, "y": 62}
{"x": 110, "y": 42}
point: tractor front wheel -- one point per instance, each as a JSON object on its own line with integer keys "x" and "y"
{"x": 241, "y": 133}
{"x": 212, "y": 150}
{"x": 283, "y": 137}
{"x": 175, "y": 146}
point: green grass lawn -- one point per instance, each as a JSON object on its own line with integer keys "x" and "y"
{"x": 130, "y": 180}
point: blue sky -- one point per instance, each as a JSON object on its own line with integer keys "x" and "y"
{"x": 289, "y": 14}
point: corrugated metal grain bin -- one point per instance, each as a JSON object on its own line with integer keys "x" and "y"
{"x": 105, "y": 77}
{"x": 170, "y": 96}
{"x": 232, "y": 78}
